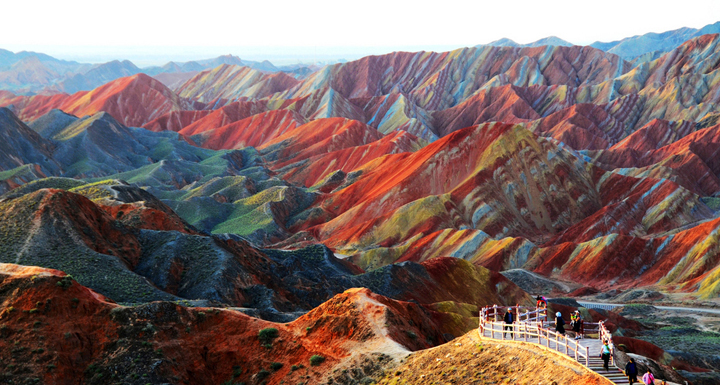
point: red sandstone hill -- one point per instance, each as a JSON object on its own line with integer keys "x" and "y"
{"x": 457, "y": 178}
{"x": 481, "y": 192}
{"x": 337, "y": 164}
{"x": 253, "y": 131}
{"x": 175, "y": 120}
{"x": 417, "y": 83}
{"x": 230, "y": 82}
{"x": 59, "y": 332}
{"x": 133, "y": 101}
{"x": 223, "y": 116}
{"x": 670, "y": 150}
{"x": 318, "y": 137}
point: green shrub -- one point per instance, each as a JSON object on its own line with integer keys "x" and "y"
{"x": 262, "y": 374}
{"x": 267, "y": 335}
{"x": 316, "y": 360}
{"x": 237, "y": 371}
{"x": 294, "y": 368}
{"x": 65, "y": 282}
{"x": 275, "y": 366}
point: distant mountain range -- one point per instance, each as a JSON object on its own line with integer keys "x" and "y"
{"x": 32, "y": 73}
{"x": 552, "y": 40}
{"x": 633, "y": 47}
{"x": 645, "y": 47}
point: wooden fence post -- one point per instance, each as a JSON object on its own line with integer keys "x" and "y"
{"x": 576, "y": 351}
{"x": 547, "y": 338}
{"x": 587, "y": 356}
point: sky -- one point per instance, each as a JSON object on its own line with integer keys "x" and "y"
{"x": 153, "y": 32}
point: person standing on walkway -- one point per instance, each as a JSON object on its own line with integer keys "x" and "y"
{"x": 605, "y": 354}
{"x": 648, "y": 378}
{"x": 631, "y": 371}
{"x": 577, "y": 324}
{"x": 541, "y": 302}
{"x": 509, "y": 319}
{"x": 559, "y": 323}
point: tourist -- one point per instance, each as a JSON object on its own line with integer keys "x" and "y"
{"x": 509, "y": 319}
{"x": 559, "y": 323}
{"x": 541, "y": 302}
{"x": 576, "y": 323}
{"x": 648, "y": 378}
{"x": 605, "y": 354}
{"x": 631, "y": 371}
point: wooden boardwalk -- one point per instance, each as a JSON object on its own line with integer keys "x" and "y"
{"x": 530, "y": 328}
{"x": 615, "y": 375}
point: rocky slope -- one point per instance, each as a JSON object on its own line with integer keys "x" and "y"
{"x": 56, "y": 331}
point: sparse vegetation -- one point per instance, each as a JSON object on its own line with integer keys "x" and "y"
{"x": 316, "y": 360}
{"x": 268, "y": 335}
{"x": 262, "y": 374}
{"x": 65, "y": 282}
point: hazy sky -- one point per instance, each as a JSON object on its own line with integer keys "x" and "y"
{"x": 154, "y": 32}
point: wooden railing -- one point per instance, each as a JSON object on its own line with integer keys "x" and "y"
{"x": 587, "y": 327}
{"x": 605, "y": 335}
{"x": 529, "y": 314}
{"x": 530, "y": 327}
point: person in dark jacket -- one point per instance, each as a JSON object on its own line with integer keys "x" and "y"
{"x": 559, "y": 323}
{"x": 509, "y": 319}
{"x": 576, "y": 321}
{"x": 631, "y": 371}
